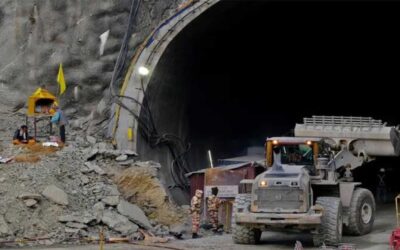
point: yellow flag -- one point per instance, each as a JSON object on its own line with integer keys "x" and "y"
{"x": 61, "y": 80}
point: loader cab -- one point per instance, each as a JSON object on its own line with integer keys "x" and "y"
{"x": 294, "y": 150}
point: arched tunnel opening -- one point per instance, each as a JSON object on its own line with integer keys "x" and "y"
{"x": 246, "y": 70}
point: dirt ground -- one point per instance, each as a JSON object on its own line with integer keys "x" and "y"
{"x": 385, "y": 222}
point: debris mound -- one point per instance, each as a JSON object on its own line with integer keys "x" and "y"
{"x": 139, "y": 185}
{"x": 58, "y": 196}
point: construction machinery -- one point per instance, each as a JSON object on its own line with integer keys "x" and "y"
{"x": 308, "y": 184}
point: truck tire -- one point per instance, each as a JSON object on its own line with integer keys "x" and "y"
{"x": 330, "y": 229}
{"x": 361, "y": 212}
{"x": 243, "y": 234}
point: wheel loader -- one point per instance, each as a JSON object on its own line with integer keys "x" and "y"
{"x": 308, "y": 185}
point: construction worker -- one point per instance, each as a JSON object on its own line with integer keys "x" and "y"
{"x": 381, "y": 187}
{"x": 294, "y": 155}
{"x": 21, "y": 135}
{"x": 195, "y": 206}
{"x": 60, "y": 119}
{"x": 213, "y": 204}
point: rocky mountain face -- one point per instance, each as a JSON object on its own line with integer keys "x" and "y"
{"x": 74, "y": 191}
{"x": 85, "y": 36}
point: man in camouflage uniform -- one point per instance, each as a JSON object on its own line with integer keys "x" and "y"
{"x": 213, "y": 204}
{"x": 195, "y": 205}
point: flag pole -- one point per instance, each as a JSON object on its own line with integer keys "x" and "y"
{"x": 58, "y": 90}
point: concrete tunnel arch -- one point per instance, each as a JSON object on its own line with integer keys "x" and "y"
{"x": 149, "y": 55}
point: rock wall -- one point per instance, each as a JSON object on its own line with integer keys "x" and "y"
{"x": 36, "y": 35}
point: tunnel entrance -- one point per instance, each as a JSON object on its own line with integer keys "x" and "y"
{"x": 244, "y": 71}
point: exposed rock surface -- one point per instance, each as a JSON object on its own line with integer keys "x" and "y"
{"x": 37, "y": 35}
{"x": 63, "y": 194}
{"x": 118, "y": 222}
{"x": 4, "y": 231}
{"x": 56, "y": 195}
{"x": 134, "y": 213}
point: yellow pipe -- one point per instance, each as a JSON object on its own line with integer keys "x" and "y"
{"x": 268, "y": 155}
{"x": 130, "y": 134}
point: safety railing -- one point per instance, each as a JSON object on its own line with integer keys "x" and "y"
{"x": 343, "y": 121}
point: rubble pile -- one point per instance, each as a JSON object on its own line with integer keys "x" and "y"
{"x": 72, "y": 193}
{"x": 139, "y": 184}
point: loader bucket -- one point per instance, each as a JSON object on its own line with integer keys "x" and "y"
{"x": 395, "y": 139}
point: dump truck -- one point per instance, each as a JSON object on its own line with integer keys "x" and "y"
{"x": 308, "y": 184}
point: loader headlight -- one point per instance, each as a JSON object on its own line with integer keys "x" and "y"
{"x": 263, "y": 184}
{"x": 309, "y": 142}
{"x": 275, "y": 142}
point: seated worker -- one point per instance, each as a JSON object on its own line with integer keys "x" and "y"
{"x": 294, "y": 156}
{"x": 21, "y": 135}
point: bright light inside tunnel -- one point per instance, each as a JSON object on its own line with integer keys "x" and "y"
{"x": 143, "y": 71}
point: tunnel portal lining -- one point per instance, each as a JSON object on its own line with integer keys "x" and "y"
{"x": 149, "y": 56}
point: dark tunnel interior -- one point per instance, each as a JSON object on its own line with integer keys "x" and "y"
{"x": 247, "y": 70}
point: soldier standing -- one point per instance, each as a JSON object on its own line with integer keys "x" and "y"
{"x": 195, "y": 205}
{"x": 213, "y": 204}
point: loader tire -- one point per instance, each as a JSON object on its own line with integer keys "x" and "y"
{"x": 243, "y": 234}
{"x": 330, "y": 229}
{"x": 361, "y": 213}
{"x": 246, "y": 235}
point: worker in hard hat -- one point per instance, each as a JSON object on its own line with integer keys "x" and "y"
{"x": 195, "y": 206}
{"x": 213, "y": 204}
{"x": 61, "y": 120}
